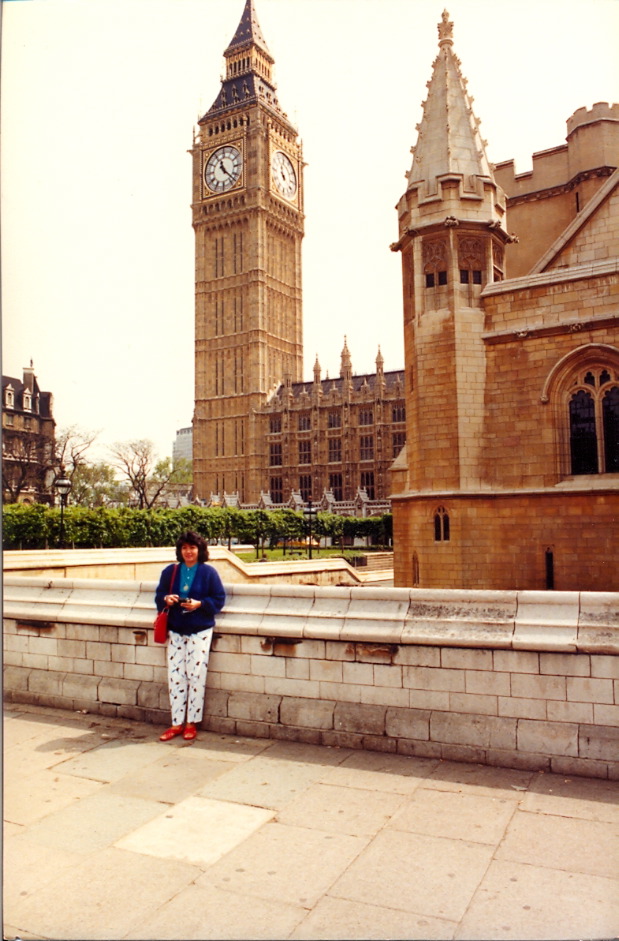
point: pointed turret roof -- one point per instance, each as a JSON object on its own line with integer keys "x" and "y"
{"x": 449, "y": 142}
{"x": 248, "y": 31}
{"x": 248, "y": 69}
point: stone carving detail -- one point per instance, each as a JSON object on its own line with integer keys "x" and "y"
{"x": 434, "y": 254}
{"x": 470, "y": 253}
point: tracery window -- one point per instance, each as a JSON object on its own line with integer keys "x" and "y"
{"x": 593, "y": 410}
{"x": 276, "y": 489}
{"x": 367, "y": 484}
{"x": 366, "y": 448}
{"x": 335, "y": 450}
{"x": 305, "y": 487}
{"x": 336, "y": 486}
{"x": 305, "y": 452}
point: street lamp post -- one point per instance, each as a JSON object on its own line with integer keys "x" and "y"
{"x": 310, "y": 513}
{"x": 62, "y": 485}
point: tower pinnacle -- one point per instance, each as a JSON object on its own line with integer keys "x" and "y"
{"x": 249, "y": 69}
{"x": 449, "y": 142}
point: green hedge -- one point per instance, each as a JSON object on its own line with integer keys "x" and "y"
{"x": 38, "y": 526}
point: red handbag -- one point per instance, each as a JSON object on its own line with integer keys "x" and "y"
{"x": 160, "y": 625}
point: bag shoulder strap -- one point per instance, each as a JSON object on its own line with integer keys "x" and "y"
{"x": 173, "y": 576}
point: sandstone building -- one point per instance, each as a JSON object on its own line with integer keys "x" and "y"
{"x": 28, "y": 435}
{"x": 510, "y": 476}
{"x": 261, "y": 434}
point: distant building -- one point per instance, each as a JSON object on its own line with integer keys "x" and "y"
{"x": 183, "y": 444}
{"x": 28, "y": 440}
{"x": 510, "y": 477}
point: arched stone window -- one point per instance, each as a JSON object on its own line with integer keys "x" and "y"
{"x": 583, "y": 389}
{"x": 441, "y": 525}
{"x": 415, "y": 570}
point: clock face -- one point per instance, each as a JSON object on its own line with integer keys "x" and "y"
{"x": 223, "y": 169}
{"x": 283, "y": 175}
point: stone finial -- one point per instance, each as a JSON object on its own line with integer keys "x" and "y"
{"x": 317, "y": 370}
{"x": 445, "y": 29}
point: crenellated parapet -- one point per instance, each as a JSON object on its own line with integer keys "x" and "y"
{"x": 600, "y": 111}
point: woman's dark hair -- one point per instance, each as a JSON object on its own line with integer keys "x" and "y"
{"x": 192, "y": 539}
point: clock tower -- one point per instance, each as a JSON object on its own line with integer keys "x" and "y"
{"x": 247, "y": 210}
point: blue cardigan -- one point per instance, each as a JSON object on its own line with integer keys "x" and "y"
{"x": 207, "y": 588}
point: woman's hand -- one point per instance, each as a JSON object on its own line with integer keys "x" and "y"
{"x": 169, "y": 600}
{"x": 191, "y": 604}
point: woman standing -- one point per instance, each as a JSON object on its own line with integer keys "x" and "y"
{"x": 194, "y": 593}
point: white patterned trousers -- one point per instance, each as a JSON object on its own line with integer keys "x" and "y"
{"x": 187, "y": 668}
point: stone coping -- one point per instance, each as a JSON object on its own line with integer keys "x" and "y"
{"x": 569, "y": 622}
{"x": 39, "y": 560}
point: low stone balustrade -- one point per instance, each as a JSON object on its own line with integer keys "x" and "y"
{"x": 514, "y": 678}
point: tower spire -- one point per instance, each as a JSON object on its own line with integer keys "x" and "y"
{"x": 248, "y": 31}
{"x": 449, "y": 142}
{"x": 249, "y": 69}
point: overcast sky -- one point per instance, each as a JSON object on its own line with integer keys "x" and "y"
{"x": 99, "y": 102}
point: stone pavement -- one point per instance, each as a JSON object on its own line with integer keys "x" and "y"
{"x": 111, "y": 834}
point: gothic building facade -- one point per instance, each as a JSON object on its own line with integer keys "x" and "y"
{"x": 28, "y": 436}
{"x": 510, "y": 475}
{"x": 259, "y": 431}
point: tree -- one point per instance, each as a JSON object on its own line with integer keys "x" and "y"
{"x": 96, "y": 485}
{"x": 148, "y": 477}
{"x": 27, "y": 460}
{"x": 72, "y": 443}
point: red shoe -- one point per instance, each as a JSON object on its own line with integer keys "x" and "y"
{"x": 190, "y": 732}
{"x": 171, "y": 733}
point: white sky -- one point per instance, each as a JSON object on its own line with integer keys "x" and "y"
{"x": 99, "y": 102}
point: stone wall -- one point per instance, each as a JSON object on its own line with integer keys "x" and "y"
{"x": 514, "y": 679}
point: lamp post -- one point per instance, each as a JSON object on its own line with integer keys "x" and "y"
{"x": 62, "y": 485}
{"x": 310, "y": 513}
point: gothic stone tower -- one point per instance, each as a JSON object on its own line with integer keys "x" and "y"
{"x": 510, "y": 478}
{"x": 452, "y": 243}
{"x": 248, "y": 221}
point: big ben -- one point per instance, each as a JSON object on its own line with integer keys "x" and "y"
{"x": 247, "y": 210}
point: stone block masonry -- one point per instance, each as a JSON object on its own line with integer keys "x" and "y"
{"x": 517, "y": 679}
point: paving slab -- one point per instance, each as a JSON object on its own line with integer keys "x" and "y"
{"x": 197, "y": 830}
{"x": 384, "y": 773}
{"x": 588, "y": 798}
{"x": 478, "y": 779}
{"x": 427, "y": 875}
{"x": 570, "y": 844}
{"x": 291, "y": 864}
{"x": 272, "y": 780}
{"x": 112, "y": 760}
{"x": 108, "y": 894}
{"x": 534, "y": 903}
{"x": 338, "y": 920}
{"x": 337, "y": 809}
{"x": 206, "y": 912}
{"x": 31, "y": 798}
{"x": 476, "y": 818}
{"x": 94, "y": 822}
{"x": 22, "y": 859}
{"x": 173, "y": 777}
